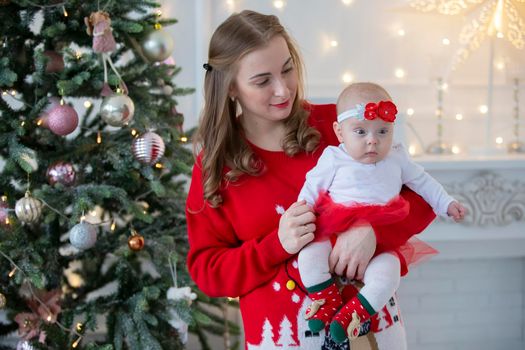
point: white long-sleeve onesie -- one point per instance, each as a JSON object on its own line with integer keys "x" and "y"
{"x": 349, "y": 181}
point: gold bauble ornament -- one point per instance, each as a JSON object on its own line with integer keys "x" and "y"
{"x": 3, "y": 301}
{"x": 136, "y": 241}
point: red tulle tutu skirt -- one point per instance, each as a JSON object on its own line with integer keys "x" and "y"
{"x": 334, "y": 218}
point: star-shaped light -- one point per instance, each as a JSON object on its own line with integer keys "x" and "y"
{"x": 503, "y": 18}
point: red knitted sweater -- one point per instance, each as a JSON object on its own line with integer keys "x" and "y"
{"x": 235, "y": 249}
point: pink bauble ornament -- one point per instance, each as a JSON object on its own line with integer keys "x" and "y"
{"x": 53, "y": 102}
{"x": 148, "y": 148}
{"x": 55, "y": 62}
{"x": 61, "y": 172}
{"x": 62, "y": 120}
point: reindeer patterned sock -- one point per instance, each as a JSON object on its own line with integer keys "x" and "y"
{"x": 326, "y": 301}
{"x": 348, "y": 320}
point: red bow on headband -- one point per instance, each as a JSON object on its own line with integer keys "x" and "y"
{"x": 385, "y": 110}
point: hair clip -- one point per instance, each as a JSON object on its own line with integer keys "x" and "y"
{"x": 207, "y": 67}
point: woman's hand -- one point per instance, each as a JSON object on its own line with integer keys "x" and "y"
{"x": 352, "y": 252}
{"x": 296, "y": 227}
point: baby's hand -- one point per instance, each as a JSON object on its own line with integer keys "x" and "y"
{"x": 456, "y": 211}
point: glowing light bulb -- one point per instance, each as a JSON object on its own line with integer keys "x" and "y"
{"x": 87, "y": 103}
{"x": 410, "y": 111}
{"x": 12, "y": 272}
{"x": 412, "y": 150}
{"x": 399, "y": 73}
{"x": 497, "y": 20}
{"x": 347, "y": 78}
{"x": 184, "y": 139}
{"x": 134, "y": 132}
{"x": 459, "y": 116}
{"x": 75, "y": 344}
{"x": 99, "y": 137}
{"x": 499, "y": 140}
{"x": 278, "y": 4}
{"x": 334, "y": 43}
{"x": 500, "y": 35}
{"x": 455, "y": 149}
{"x": 483, "y": 109}
{"x": 113, "y": 226}
{"x": 347, "y": 2}
{"x": 159, "y": 166}
{"x": 500, "y": 65}
{"x": 445, "y": 41}
{"x": 401, "y": 32}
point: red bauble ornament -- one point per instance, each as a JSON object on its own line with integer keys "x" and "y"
{"x": 61, "y": 172}
{"x": 148, "y": 148}
{"x": 62, "y": 120}
{"x": 136, "y": 241}
{"x": 55, "y": 62}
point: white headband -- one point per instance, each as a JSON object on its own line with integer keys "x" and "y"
{"x": 385, "y": 110}
{"x": 358, "y": 112}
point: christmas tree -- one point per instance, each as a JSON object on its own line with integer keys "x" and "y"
{"x": 93, "y": 169}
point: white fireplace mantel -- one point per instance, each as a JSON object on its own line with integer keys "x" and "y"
{"x": 493, "y": 190}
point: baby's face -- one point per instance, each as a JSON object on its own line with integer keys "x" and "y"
{"x": 366, "y": 141}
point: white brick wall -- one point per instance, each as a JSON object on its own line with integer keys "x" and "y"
{"x": 465, "y": 304}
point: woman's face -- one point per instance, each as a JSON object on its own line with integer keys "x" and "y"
{"x": 266, "y": 83}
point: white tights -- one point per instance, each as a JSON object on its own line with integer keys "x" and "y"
{"x": 381, "y": 277}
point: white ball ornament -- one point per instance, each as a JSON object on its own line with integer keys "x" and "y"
{"x": 157, "y": 46}
{"x": 28, "y": 209}
{"x": 148, "y": 148}
{"x": 83, "y": 236}
{"x": 117, "y": 110}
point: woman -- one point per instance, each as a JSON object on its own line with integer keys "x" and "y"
{"x": 258, "y": 137}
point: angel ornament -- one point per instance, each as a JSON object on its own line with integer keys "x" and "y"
{"x": 99, "y": 26}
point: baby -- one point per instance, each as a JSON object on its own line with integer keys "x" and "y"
{"x": 360, "y": 181}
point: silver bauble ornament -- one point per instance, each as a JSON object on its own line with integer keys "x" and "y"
{"x": 28, "y": 209}
{"x": 167, "y": 90}
{"x": 157, "y": 46}
{"x": 117, "y": 110}
{"x": 24, "y": 345}
{"x": 148, "y": 148}
{"x": 83, "y": 236}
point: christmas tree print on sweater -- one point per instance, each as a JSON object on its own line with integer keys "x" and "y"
{"x": 307, "y": 340}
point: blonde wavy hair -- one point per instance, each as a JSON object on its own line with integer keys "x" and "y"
{"x": 219, "y": 135}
